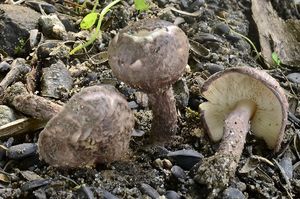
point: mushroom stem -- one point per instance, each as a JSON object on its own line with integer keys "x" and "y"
{"x": 216, "y": 171}
{"x": 236, "y": 128}
{"x": 164, "y": 123}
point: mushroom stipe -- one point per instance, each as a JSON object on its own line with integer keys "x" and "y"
{"x": 239, "y": 99}
{"x": 150, "y": 55}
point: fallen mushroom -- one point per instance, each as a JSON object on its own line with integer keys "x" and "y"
{"x": 235, "y": 97}
{"x": 93, "y": 127}
{"x": 151, "y": 55}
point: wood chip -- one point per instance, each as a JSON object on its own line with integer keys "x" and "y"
{"x": 276, "y": 35}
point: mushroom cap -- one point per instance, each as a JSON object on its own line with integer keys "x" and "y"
{"x": 95, "y": 126}
{"x": 224, "y": 89}
{"x": 149, "y": 54}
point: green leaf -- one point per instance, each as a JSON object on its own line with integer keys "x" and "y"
{"x": 276, "y": 58}
{"x": 89, "y": 20}
{"x": 141, "y": 5}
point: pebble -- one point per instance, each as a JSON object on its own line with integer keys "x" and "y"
{"x": 191, "y": 5}
{"x": 294, "y": 77}
{"x": 158, "y": 163}
{"x": 108, "y": 195}
{"x": 30, "y": 185}
{"x": 141, "y": 99}
{"x": 221, "y": 29}
{"x": 233, "y": 193}
{"x": 172, "y": 195}
{"x": 162, "y": 3}
{"x": 4, "y": 67}
{"x": 85, "y": 192}
{"x": 167, "y": 164}
{"x": 56, "y": 81}
{"x": 178, "y": 173}
{"x": 213, "y": 68}
{"x": 38, "y": 5}
{"x": 186, "y": 159}
{"x": 181, "y": 93}
{"x": 149, "y": 191}
{"x": 21, "y": 151}
{"x": 7, "y": 115}
{"x": 52, "y": 27}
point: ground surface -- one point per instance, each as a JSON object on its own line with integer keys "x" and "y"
{"x": 214, "y": 47}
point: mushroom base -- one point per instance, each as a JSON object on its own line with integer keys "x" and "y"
{"x": 164, "y": 123}
{"x": 217, "y": 170}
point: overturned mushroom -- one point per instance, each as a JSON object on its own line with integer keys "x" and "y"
{"x": 93, "y": 127}
{"x": 236, "y": 96}
{"x": 151, "y": 55}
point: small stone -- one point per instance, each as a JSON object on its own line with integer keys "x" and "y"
{"x": 21, "y": 151}
{"x": 167, "y": 164}
{"x": 221, "y": 29}
{"x": 4, "y": 67}
{"x": 52, "y": 27}
{"x": 294, "y": 77}
{"x": 149, "y": 191}
{"x": 141, "y": 99}
{"x": 56, "y": 81}
{"x": 7, "y": 115}
{"x": 172, "y": 195}
{"x": 186, "y": 159}
{"x": 38, "y": 5}
{"x": 233, "y": 193}
{"x": 178, "y": 173}
{"x": 158, "y": 163}
{"x": 162, "y": 3}
{"x": 133, "y": 105}
{"x": 181, "y": 93}
{"x": 213, "y": 68}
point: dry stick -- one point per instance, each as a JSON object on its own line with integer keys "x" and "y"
{"x": 21, "y": 126}
{"x": 41, "y": 109}
{"x": 30, "y": 104}
{"x": 18, "y": 69}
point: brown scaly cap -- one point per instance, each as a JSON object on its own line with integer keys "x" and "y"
{"x": 224, "y": 89}
{"x": 149, "y": 54}
{"x": 94, "y": 127}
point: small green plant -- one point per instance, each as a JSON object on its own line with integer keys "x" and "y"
{"x": 88, "y": 22}
{"x": 90, "y": 19}
{"x": 20, "y": 47}
{"x": 141, "y": 5}
{"x": 276, "y": 58}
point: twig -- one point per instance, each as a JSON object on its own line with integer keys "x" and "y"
{"x": 18, "y": 69}
{"x": 32, "y": 105}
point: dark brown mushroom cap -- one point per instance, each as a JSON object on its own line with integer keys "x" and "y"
{"x": 149, "y": 54}
{"x": 95, "y": 126}
{"x": 224, "y": 89}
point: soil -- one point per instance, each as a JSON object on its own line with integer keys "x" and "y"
{"x": 148, "y": 170}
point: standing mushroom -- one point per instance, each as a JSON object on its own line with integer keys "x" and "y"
{"x": 236, "y": 96}
{"x": 93, "y": 127}
{"x": 151, "y": 55}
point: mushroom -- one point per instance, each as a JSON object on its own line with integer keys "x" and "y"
{"x": 150, "y": 55}
{"x": 235, "y": 97}
{"x": 93, "y": 127}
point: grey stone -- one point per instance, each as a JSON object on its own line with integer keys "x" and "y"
{"x": 56, "y": 80}
{"x": 15, "y": 24}
{"x": 52, "y": 27}
{"x": 294, "y": 77}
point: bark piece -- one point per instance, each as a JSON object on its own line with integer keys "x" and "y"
{"x": 276, "y": 35}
